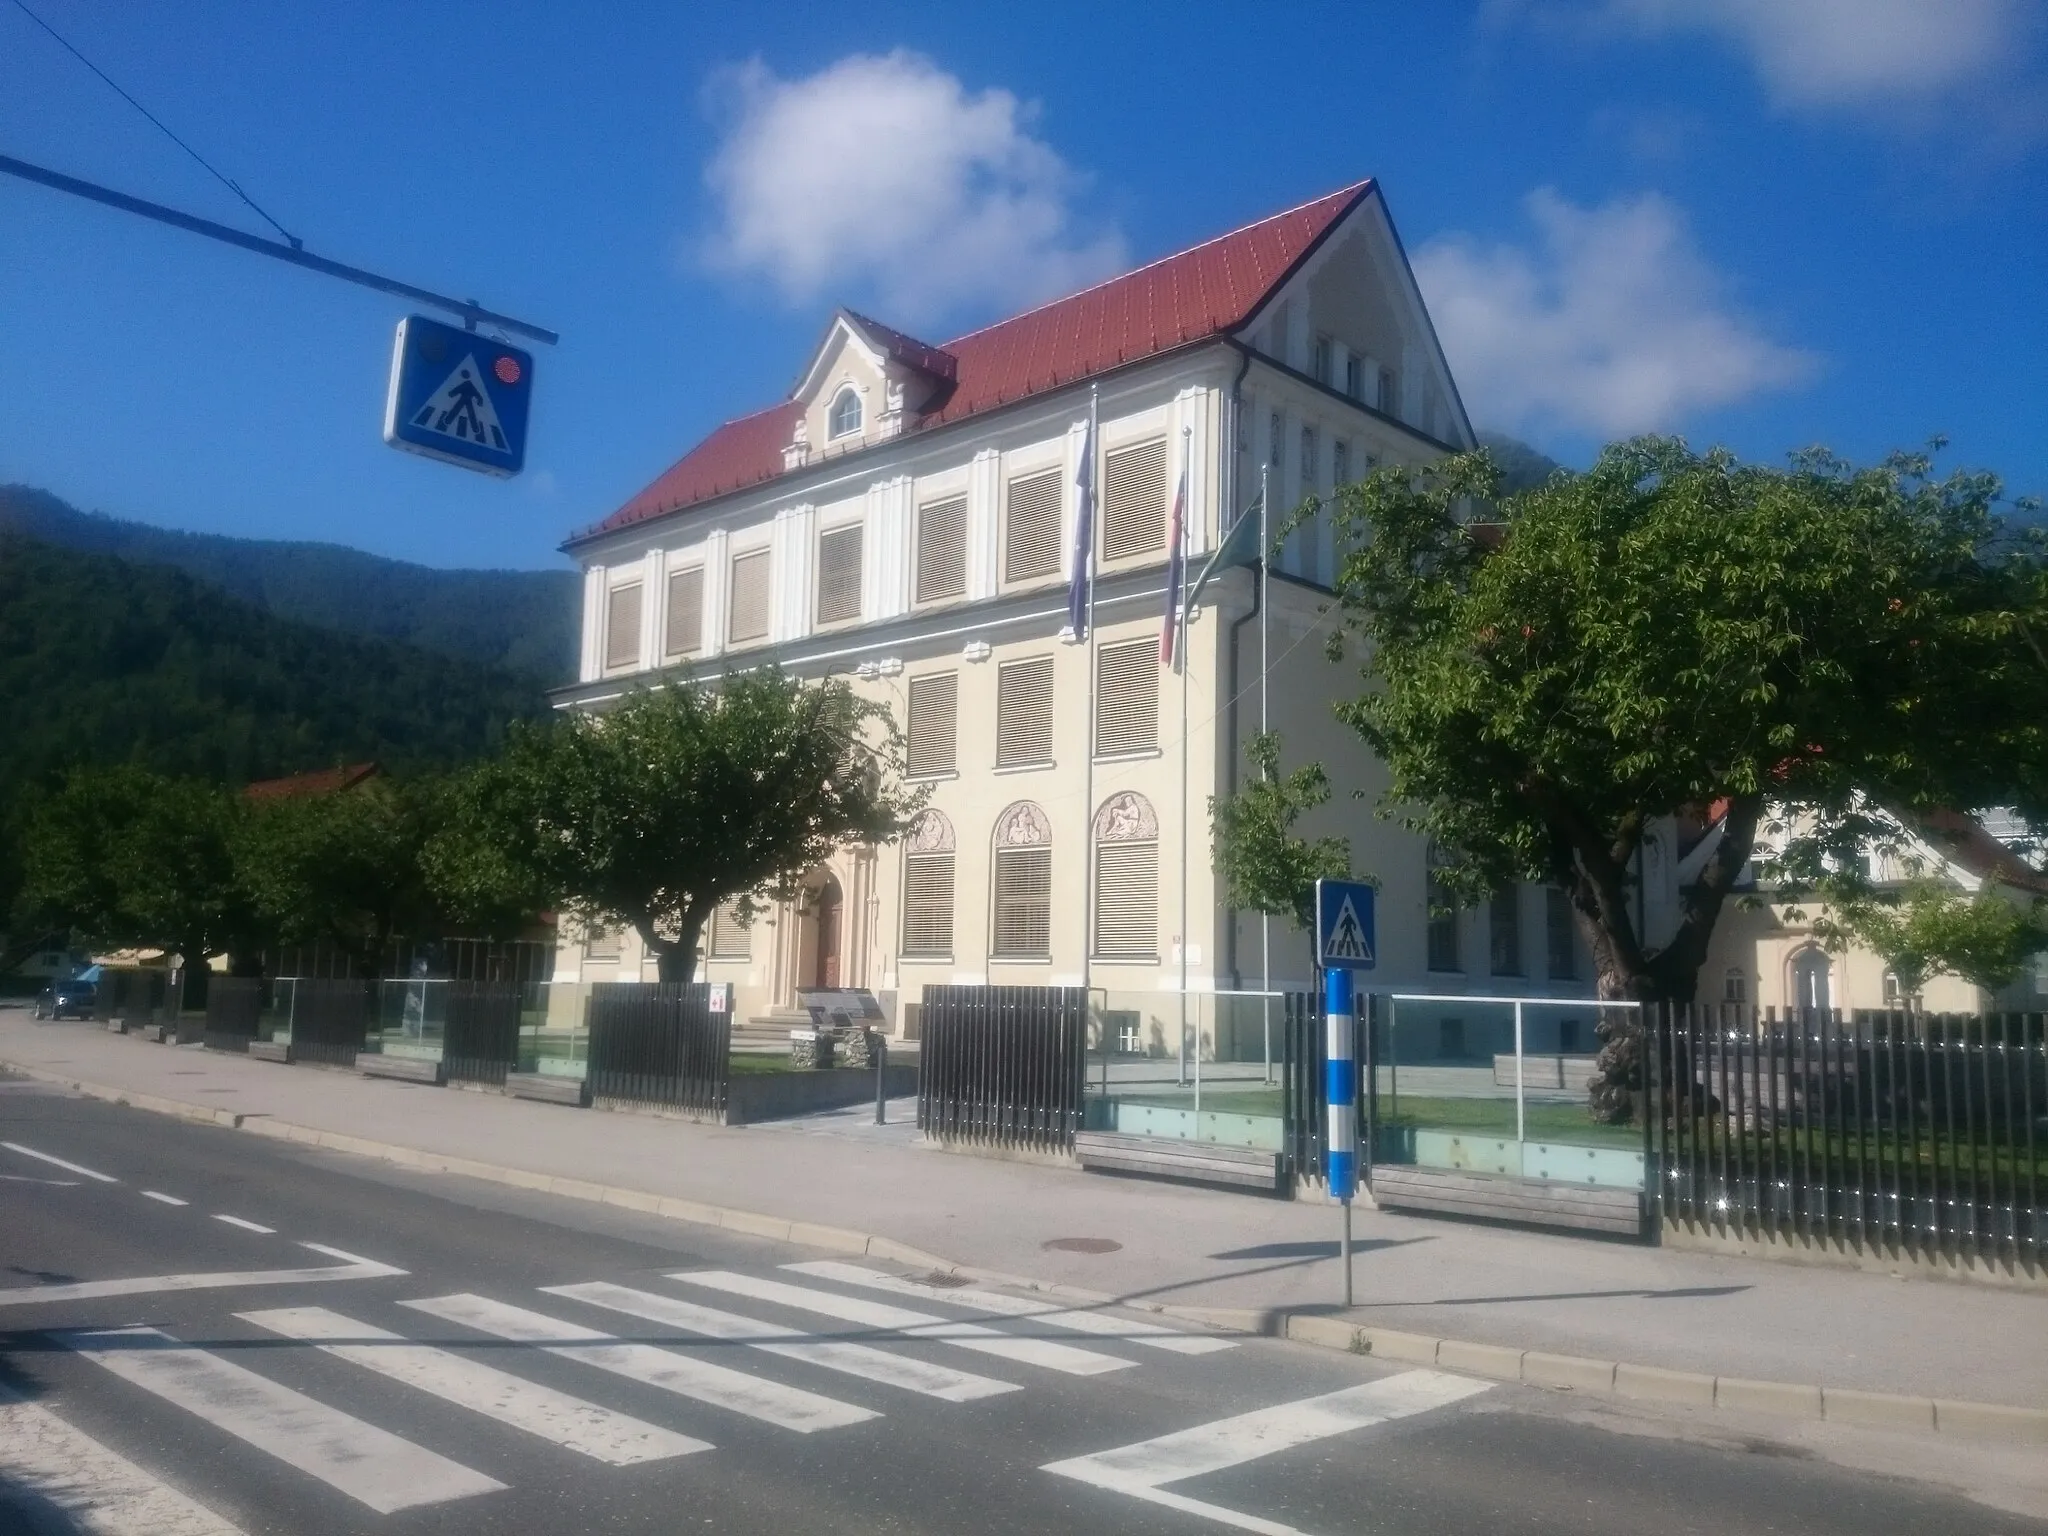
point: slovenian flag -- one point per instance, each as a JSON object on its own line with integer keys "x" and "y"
{"x": 1176, "y": 570}
{"x": 1084, "y": 537}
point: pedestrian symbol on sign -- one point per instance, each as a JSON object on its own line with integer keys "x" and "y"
{"x": 461, "y": 409}
{"x": 1347, "y": 939}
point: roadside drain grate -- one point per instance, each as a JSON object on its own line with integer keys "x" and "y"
{"x": 1082, "y": 1244}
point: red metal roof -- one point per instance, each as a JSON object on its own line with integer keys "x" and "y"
{"x": 1203, "y": 292}
{"x": 322, "y": 781}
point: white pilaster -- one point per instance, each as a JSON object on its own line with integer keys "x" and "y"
{"x": 717, "y": 590}
{"x": 984, "y": 488}
{"x": 885, "y": 581}
{"x": 653, "y": 608}
{"x": 590, "y": 666}
{"x": 792, "y": 566}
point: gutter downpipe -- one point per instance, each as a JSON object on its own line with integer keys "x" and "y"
{"x": 1230, "y": 750}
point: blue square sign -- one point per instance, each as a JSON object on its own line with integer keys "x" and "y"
{"x": 1345, "y": 940}
{"x": 458, "y": 397}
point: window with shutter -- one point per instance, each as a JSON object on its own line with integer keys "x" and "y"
{"x": 622, "y": 628}
{"x": 1504, "y": 932}
{"x": 1354, "y": 378}
{"x": 942, "y": 550}
{"x": 1134, "y": 501}
{"x": 1558, "y": 933}
{"x": 1390, "y": 393}
{"x": 1311, "y": 463}
{"x": 934, "y": 713}
{"x": 730, "y": 938}
{"x": 1340, "y": 463}
{"x": 839, "y": 575}
{"x": 1023, "y": 915}
{"x": 747, "y": 615}
{"x": 1024, "y": 713}
{"x": 601, "y": 947}
{"x": 927, "y": 905}
{"x": 1126, "y": 698}
{"x": 1323, "y": 355}
{"x": 1441, "y": 940}
{"x": 685, "y": 613}
{"x": 1031, "y": 527}
{"x": 1126, "y": 917}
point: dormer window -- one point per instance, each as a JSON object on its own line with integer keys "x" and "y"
{"x": 844, "y": 419}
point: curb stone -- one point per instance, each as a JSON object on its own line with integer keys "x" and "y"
{"x": 1566, "y": 1373}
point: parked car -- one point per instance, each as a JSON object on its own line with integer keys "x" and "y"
{"x": 77, "y": 994}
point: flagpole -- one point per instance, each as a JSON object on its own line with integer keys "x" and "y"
{"x": 1180, "y": 659}
{"x": 1088, "y": 757}
{"x": 1265, "y": 654}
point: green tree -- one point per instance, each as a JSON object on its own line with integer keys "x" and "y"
{"x": 682, "y": 797}
{"x": 122, "y": 857}
{"x": 1265, "y": 867}
{"x": 1670, "y": 631}
{"x": 345, "y": 867}
{"x": 1931, "y": 929}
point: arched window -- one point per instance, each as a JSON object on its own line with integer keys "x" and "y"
{"x": 1126, "y": 879}
{"x": 844, "y": 419}
{"x": 928, "y": 888}
{"x": 1442, "y": 944}
{"x": 1810, "y": 978}
{"x": 1022, "y": 885}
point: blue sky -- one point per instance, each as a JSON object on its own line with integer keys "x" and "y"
{"x": 1765, "y": 223}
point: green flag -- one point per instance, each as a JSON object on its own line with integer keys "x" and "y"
{"x": 1240, "y": 546}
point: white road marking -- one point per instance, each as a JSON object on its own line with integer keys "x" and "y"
{"x": 1004, "y": 1305}
{"x": 246, "y": 1226}
{"x": 22, "y": 1178}
{"x": 151, "y": 1194}
{"x": 99, "y": 1492}
{"x": 568, "y": 1421}
{"x": 370, "y": 1465}
{"x": 854, "y": 1359}
{"x": 919, "y": 1325}
{"x": 1139, "y": 1470}
{"x": 149, "y": 1285}
{"x": 44, "y": 1157}
{"x": 789, "y": 1407}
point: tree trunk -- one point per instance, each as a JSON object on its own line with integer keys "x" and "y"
{"x": 193, "y": 975}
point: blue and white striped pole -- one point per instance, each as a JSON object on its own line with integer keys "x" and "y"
{"x": 1340, "y": 1081}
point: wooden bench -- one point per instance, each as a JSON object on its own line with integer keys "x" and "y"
{"x": 548, "y": 1088}
{"x": 270, "y": 1050}
{"x": 1199, "y": 1162}
{"x": 406, "y": 1069}
{"x": 1498, "y": 1197}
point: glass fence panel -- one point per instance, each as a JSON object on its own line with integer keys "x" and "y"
{"x": 554, "y": 1034}
{"x": 1465, "y": 1085}
{"x": 1200, "y": 1066}
{"x": 412, "y": 1013}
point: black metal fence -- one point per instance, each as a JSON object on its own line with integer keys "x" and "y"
{"x": 659, "y": 1043}
{"x": 234, "y": 1008}
{"x": 137, "y": 997}
{"x": 480, "y": 1039}
{"x": 1304, "y": 1082}
{"x": 1002, "y": 1066}
{"x": 330, "y": 1019}
{"x": 1894, "y": 1134}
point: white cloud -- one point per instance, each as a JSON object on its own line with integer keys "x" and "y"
{"x": 882, "y": 176}
{"x": 1612, "y": 323}
{"x": 1850, "y": 52}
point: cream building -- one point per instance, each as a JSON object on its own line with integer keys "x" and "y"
{"x": 904, "y": 519}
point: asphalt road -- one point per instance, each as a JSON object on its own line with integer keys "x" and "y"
{"x": 314, "y": 1344}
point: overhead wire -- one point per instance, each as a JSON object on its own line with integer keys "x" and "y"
{"x": 69, "y": 47}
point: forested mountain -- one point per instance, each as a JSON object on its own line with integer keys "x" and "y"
{"x": 103, "y": 660}
{"x": 522, "y": 620}
{"x": 1522, "y": 468}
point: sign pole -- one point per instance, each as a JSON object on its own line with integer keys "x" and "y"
{"x": 1341, "y": 1087}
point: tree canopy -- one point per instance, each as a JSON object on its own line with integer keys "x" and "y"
{"x": 1931, "y": 929}
{"x": 1671, "y": 632}
{"x": 1264, "y": 865}
{"x": 652, "y": 814}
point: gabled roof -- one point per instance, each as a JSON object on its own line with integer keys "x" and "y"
{"x": 322, "y": 781}
{"x": 1206, "y": 291}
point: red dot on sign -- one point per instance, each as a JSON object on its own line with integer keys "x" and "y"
{"x": 507, "y": 370}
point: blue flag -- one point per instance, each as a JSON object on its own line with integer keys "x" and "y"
{"x": 1084, "y": 538}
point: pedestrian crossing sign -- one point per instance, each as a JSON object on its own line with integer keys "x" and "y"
{"x": 1344, "y": 925}
{"x": 458, "y": 396}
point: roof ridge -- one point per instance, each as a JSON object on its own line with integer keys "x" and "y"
{"x": 1157, "y": 261}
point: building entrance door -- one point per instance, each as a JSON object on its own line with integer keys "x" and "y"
{"x": 825, "y": 967}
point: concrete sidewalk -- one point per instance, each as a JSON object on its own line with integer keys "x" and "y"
{"x": 1607, "y": 1300}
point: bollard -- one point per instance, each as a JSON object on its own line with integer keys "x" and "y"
{"x": 881, "y": 1079}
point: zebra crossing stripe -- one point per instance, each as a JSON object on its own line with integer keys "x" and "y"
{"x": 1004, "y": 1305}
{"x": 919, "y": 1376}
{"x": 66, "y": 1469}
{"x": 918, "y": 1325}
{"x": 788, "y": 1407}
{"x": 368, "y": 1464}
{"x": 570, "y": 1422}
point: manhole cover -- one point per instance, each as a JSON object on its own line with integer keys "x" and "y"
{"x": 1082, "y": 1244}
